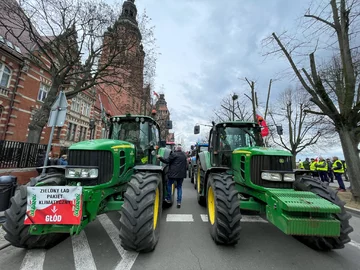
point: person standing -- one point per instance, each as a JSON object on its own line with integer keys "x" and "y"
{"x": 322, "y": 169}
{"x": 338, "y": 169}
{"x": 313, "y": 168}
{"x": 306, "y": 164}
{"x": 330, "y": 172}
{"x": 177, "y": 172}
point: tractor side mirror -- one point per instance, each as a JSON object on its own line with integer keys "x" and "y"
{"x": 162, "y": 144}
{"x": 197, "y": 129}
{"x": 168, "y": 124}
{"x": 279, "y": 130}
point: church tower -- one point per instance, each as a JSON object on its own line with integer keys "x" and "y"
{"x": 124, "y": 84}
{"x": 162, "y": 116}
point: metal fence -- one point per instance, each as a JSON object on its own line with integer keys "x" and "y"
{"x": 20, "y": 154}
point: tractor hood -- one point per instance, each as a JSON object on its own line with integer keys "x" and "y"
{"x": 261, "y": 151}
{"x": 101, "y": 144}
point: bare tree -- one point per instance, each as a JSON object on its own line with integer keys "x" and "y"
{"x": 339, "y": 98}
{"x": 80, "y": 43}
{"x": 303, "y": 129}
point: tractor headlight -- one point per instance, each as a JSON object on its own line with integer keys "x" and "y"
{"x": 81, "y": 173}
{"x": 289, "y": 177}
{"x": 271, "y": 176}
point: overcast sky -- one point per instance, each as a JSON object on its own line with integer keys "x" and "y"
{"x": 208, "y": 46}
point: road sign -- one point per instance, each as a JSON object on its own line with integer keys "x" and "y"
{"x": 58, "y": 111}
{"x": 54, "y": 205}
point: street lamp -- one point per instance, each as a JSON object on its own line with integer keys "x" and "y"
{"x": 234, "y": 97}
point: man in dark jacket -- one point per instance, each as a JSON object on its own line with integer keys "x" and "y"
{"x": 177, "y": 172}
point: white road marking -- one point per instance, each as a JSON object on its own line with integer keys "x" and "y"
{"x": 245, "y": 218}
{"x": 33, "y": 260}
{"x": 204, "y": 217}
{"x": 354, "y": 244}
{"x": 179, "y": 218}
{"x": 82, "y": 253}
{"x": 127, "y": 258}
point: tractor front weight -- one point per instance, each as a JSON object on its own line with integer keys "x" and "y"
{"x": 302, "y": 213}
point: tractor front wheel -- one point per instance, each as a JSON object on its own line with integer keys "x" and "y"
{"x": 325, "y": 243}
{"x": 223, "y": 209}
{"x": 17, "y": 233}
{"x": 141, "y": 212}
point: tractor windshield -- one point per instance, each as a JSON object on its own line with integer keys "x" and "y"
{"x": 235, "y": 137}
{"x": 136, "y": 133}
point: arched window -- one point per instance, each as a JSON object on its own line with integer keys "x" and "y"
{"x": 5, "y": 75}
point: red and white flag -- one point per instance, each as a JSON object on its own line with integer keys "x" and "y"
{"x": 156, "y": 94}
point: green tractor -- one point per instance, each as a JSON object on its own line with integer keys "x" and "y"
{"x": 238, "y": 173}
{"x": 117, "y": 173}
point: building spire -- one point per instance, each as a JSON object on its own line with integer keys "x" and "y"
{"x": 129, "y": 11}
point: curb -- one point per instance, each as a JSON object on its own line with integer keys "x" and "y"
{"x": 353, "y": 210}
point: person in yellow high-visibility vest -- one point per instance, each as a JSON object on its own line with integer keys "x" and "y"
{"x": 301, "y": 164}
{"x": 338, "y": 168}
{"x": 322, "y": 168}
{"x": 313, "y": 168}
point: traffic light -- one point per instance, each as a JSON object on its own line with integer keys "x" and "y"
{"x": 279, "y": 130}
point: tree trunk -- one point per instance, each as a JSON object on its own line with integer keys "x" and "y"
{"x": 41, "y": 116}
{"x": 349, "y": 147}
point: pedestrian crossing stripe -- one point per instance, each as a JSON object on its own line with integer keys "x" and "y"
{"x": 204, "y": 218}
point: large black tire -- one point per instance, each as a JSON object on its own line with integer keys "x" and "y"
{"x": 200, "y": 180}
{"x": 141, "y": 212}
{"x": 223, "y": 209}
{"x": 17, "y": 233}
{"x": 327, "y": 193}
{"x": 194, "y": 179}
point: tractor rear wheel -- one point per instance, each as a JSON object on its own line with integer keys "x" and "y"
{"x": 141, "y": 212}
{"x": 319, "y": 242}
{"x": 200, "y": 186}
{"x": 223, "y": 209}
{"x": 17, "y": 233}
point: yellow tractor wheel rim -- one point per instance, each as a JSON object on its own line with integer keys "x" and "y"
{"x": 156, "y": 207}
{"x": 198, "y": 181}
{"x": 211, "y": 205}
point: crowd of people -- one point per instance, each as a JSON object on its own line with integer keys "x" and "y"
{"x": 327, "y": 170}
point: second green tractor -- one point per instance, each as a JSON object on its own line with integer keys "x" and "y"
{"x": 238, "y": 174}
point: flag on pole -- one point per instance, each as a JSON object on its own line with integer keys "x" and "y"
{"x": 103, "y": 114}
{"x": 156, "y": 94}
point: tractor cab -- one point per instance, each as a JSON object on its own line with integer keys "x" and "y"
{"x": 227, "y": 136}
{"x": 142, "y": 131}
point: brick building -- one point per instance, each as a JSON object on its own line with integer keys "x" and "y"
{"x": 162, "y": 116}
{"x": 24, "y": 86}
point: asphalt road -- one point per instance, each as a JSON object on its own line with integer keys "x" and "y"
{"x": 185, "y": 243}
